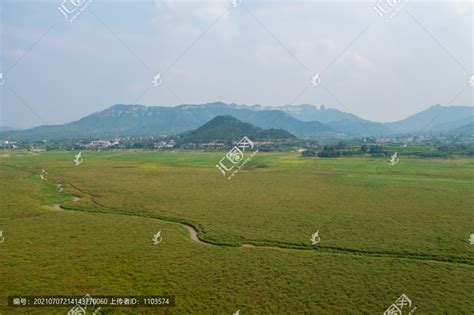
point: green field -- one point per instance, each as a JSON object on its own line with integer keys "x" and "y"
{"x": 384, "y": 231}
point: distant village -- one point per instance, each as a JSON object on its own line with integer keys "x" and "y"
{"x": 167, "y": 143}
{"x": 115, "y": 143}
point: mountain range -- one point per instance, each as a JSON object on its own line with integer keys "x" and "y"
{"x": 6, "y": 128}
{"x": 304, "y": 121}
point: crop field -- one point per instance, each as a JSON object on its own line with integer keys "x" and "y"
{"x": 384, "y": 231}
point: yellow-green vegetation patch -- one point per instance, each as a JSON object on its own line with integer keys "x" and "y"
{"x": 382, "y": 233}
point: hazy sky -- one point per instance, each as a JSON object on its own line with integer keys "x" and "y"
{"x": 259, "y": 52}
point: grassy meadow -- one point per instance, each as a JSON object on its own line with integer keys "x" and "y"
{"x": 385, "y": 230}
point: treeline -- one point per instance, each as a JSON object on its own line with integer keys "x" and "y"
{"x": 376, "y": 150}
{"x": 365, "y": 147}
{"x": 343, "y": 150}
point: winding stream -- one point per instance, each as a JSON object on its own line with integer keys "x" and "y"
{"x": 334, "y": 250}
{"x": 191, "y": 229}
{"x": 326, "y": 249}
{"x": 194, "y": 234}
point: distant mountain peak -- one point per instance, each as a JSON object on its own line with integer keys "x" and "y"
{"x": 435, "y": 118}
{"x": 228, "y": 128}
{"x": 221, "y": 120}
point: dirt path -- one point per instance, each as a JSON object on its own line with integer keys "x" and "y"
{"x": 194, "y": 234}
{"x": 57, "y": 206}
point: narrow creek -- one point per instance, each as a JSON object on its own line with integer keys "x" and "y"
{"x": 194, "y": 236}
{"x": 191, "y": 229}
{"x": 194, "y": 233}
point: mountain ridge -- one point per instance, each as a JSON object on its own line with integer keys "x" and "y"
{"x": 141, "y": 120}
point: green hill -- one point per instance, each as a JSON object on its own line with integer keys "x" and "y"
{"x": 227, "y": 128}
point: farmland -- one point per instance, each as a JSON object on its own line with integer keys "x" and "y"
{"x": 385, "y": 230}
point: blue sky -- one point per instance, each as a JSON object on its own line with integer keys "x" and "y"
{"x": 260, "y": 52}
